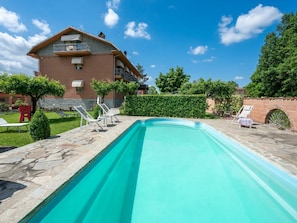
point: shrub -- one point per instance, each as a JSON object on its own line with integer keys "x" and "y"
{"x": 96, "y": 111}
{"x": 228, "y": 106}
{"x": 185, "y": 106}
{"x": 3, "y": 106}
{"x": 19, "y": 102}
{"x": 279, "y": 119}
{"x": 39, "y": 126}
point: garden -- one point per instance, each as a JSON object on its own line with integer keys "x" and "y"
{"x": 12, "y": 138}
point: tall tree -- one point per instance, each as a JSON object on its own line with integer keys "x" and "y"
{"x": 35, "y": 87}
{"x": 276, "y": 72}
{"x": 196, "y": 87}
{"x": 172, "y": 81}
{"x": 144, "y": 78}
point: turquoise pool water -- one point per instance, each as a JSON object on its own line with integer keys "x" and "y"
{"x": 167, "y": 170}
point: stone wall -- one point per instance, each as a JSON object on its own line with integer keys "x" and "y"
{"x": 67, "y": 104}
{"x": 264, "y": 106}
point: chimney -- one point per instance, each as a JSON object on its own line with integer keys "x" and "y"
{"x": 125, "y": 52}
{"x": 101, "y": 35}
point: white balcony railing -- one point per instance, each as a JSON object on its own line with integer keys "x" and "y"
{"x": 68, "y": 47}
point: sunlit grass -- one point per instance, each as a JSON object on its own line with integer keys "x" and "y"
{"x": 12, "y": 137}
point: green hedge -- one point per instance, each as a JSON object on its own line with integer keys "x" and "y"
{"x": 184, "y": 106}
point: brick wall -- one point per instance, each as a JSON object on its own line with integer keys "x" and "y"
{"x": 263, "y": 107}
{"x": 100, "y": 67}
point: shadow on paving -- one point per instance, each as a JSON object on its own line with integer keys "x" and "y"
{"x": 280, "y": 137}
{"x": 6, "y": 148}
{"x": 8, "y": 188}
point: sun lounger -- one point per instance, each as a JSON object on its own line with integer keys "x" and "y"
{"x": 4, "y": 123}
{"x": 107, "y": 112}
{"x": 244, "y": 112}
{"x": 88, "y": 118}
{"x": 245, "y": 122}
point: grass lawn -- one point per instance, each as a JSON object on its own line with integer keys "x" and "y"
{"x": 12, "y": 137}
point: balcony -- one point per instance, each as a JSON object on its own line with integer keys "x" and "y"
{"x": 122, "y": 74}
{"x": 72, "y": 49}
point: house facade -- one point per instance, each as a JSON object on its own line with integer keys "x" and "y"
{"x": 74, "y": 58}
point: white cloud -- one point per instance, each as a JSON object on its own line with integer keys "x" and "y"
{"x": 10, "y": 20}
{"x": 153, "y": 66}
{"x": 138, "y": 31}
{"x": 238, "y": 78}
{"x": 248, "y": 25}
{"x": 207, "y": 60}
{"x": 113, "y": 4}
{"x": 135, "y": 53}
{"x": 42, "y": 25}
{"x": 14, "y": 49}
{"x": 111, "y": 18}
{"x": 198, "y": 50}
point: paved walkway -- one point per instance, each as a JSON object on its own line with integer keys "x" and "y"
{"x": 30, "y": 173}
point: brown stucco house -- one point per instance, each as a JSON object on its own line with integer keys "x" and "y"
{"x": 74, "y": 58}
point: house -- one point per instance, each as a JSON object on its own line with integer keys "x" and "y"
{"x": 74, "y": 58}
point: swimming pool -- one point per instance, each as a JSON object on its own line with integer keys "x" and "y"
{"x": 168, "y": 170}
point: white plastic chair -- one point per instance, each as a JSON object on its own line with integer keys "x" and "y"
{"x": 243, "y": 112}
{"x": 88, "y": 118}
{"x": 107, "y": 112}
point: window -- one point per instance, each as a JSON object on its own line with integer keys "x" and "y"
{"x": 78, "y": 66}
{"x": 79, "y": 90}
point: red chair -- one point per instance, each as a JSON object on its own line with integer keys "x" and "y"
{"x": 25, "y": 112}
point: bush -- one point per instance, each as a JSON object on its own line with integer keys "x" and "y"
{"x": 4, "y": 107}
{"x": 184, "y": 106}
{"x": 39, "y": 126}
{"x": 279, "y": 119}
{"x": 96, "y": 111}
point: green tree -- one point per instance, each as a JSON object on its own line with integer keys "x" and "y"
{"x": 276, "y": 72}
{"x": 125, "y": 88}
{"x": 152, "y": 90}
{"x": 101, "y": 87}
{"x": 197, "y": 87}
{"x": 221, "y": 92}
{"x": 172, "y": 81}
{"x": 144, "y": 78}
{"x": 35, "y": 87}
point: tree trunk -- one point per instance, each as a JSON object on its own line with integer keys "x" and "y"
{"x": 34, "y": 104}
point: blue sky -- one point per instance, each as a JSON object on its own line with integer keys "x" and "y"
{"x": 213, "y": 39}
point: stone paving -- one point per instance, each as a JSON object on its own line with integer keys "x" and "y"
{"x": 30, "y": 173}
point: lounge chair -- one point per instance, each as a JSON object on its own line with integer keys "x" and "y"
{"x": 107, "y": 112}
{"x": 4, "y": 123}
{"x": 88, "y": 118}
{"x": 244, "y": 112}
